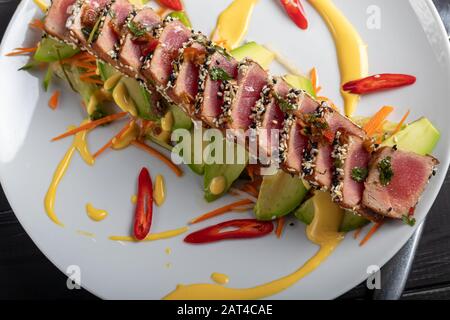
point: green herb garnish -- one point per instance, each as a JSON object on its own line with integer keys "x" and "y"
{"x": 359, "y": 174}
{"x": 97, "y": 114}
{"x": 223, "y": 51}
{"x": 136, "y": 29}
{"x": 284, "y": 104}
{"x": 409, "y": 220}
{"x": 95, "y": 32}
{"x": 385, "y": 169}
{"x": 219, "y": 74}
{"x": 317, "y": 121}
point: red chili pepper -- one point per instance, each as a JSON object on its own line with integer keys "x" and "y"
{"x": 296, "y": 12}
{"x": 411, "y": 211}
{"x": 149, "y": 47}
{"x": 144, "y": 207}
{"x": 329, "y": 135}
{"x": 172, "y": 4}
{"x": 243, "y": 229}
{"x": 379, "y": 82}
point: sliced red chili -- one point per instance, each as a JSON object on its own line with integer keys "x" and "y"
{"x": 149, "y": 47}
{"x": 379, "y": 82}
{"x": 144, "y": 206}
{"x": 240, "y": 229}
{"x": 328, "y": 135}
{"x": 296, "y": 12}
{"x": 172, "y": 4}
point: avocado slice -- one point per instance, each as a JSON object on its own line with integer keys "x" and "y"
{"x": 140, "y": 95}
{"x": 256, "y": 52}
{"x": 350, "y": 220}
{"x": 180, "y": 119}
{"x": 182, "y": 16}
{"x": 51, "y": 50}
{"x": 419, "y": 136}
{"x": 300, "y": 82}
{"x": 230, "y": 172}
{"x": 279, "y": 195}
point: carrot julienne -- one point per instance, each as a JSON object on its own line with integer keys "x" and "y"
{"x": 315, "y": 80}
{"x": 280, "y": 227}
{"x": 21, "y": 51}
{"x": 219, "y": 211}
{"x": 91, "y": 125}
{"x": 37, "y": 24}
{"x": 90, "y": 80}
{"x": 371, "y": 232}
{"x": 54, "y": 100}
{"x": 110, "y": 142}
{"x": 145, "y": 147}
{"x": 377, "y": 120}
{"x": 401, "y": 123}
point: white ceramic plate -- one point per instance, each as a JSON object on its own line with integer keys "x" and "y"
{"x": 411, "y": 40}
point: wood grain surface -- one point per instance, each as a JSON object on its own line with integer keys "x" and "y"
{"x": 25, "y": 273}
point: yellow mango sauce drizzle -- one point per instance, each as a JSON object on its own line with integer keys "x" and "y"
{"x": 351, "y": 50}
{"x": 233, "y": 22}
{"x": 323, "y": 231}
{"x": 79, "y": 144}
{"x": 94, "y": 213}
{"x": 219, "y": 278}
{"x": 153, "y": 236}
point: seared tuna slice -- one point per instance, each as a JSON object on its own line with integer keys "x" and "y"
{"x": 159, "y": 68}
{"x": 296, "y": 144}
{"x": 185, "y": 75}
{"x": 396, "y": 180}
{"x": 318, "y": 166}
{"x": 57, "y": 19}
{"x": 269, "y": 116}
{"x": 107, "y": 44}
{"x": 210, "y": 97}
{"x": 138, "y": 42}
{"x": 325, "y": 122}
{"x": 86, "y": 17}
{"x": 252, "y": 78}
{"x": 351, "y": 160}
{"x": 308, "y": 104}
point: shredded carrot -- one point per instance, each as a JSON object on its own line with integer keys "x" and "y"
{"x": 82, "y": 56}
{"x": 371, "y": 232}
{"x": 145, "y": 125}
{"x": 280, "y": 226}
{"x": 110, "y": 142}
{"x": 401, "y": 123}
{"x": 357, "y": 232}
{"x": 250, "y": 189}
{"x": 37, "y": 24}
{"x": 377, "y": 120}
{"x": 217, "y": 212}
{"x": 160, "y": 156}
{"x": 90, "y": 80}
{"x": 54, "y": 100}
{"x": 21, "y": 51}
{"x": 91, "y": 125}
{"x": 88, "y": 74}
{"x": 315, "y": 80}
{"x": 161, "y": 11}
{"x": 85, "y": 65}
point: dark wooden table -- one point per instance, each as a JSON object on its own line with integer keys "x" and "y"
{"x": 25, "y": 273}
